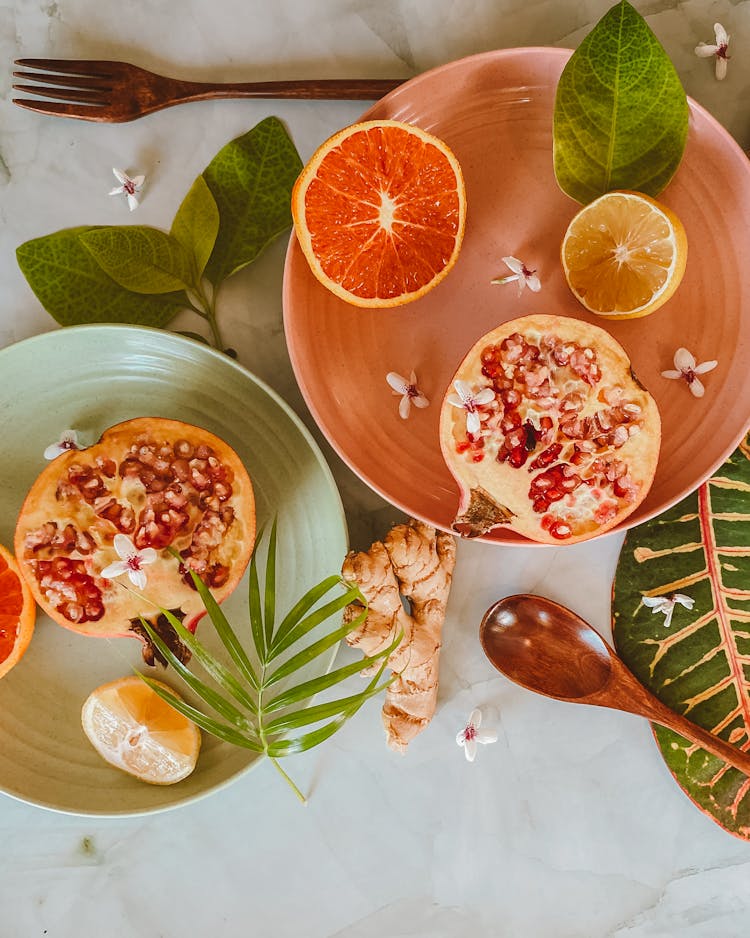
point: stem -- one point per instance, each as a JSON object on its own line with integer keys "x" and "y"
{"x": 289, "y": 782}
{"x": 209, "y": 305}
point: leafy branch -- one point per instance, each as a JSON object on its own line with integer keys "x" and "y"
{"x": 256, "y": 706}
{"x": 145, "y": 276}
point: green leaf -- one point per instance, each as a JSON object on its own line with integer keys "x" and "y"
{"x": 294, "y": 615}
{"x": 621, "y": 115}
{"x": 74, "y": 289}
{"x": 317, "y": 684}
{"x": 309, "y": 623}
{"x": 214, "y": 668}
{"x": 196, "y": 224}
{"x": 698, "y": 666}
{"x": 251, "y": 179}
{"x": 139, "y": 258}
{"x": 308, "y": 715}
{"x": 225, "y": 733}
{"x": 225, "y": 632}
{"x": 206, "y": 693}
{"x": 311, "y": 652}
{"x": 270, "y": 590}
{"x": 288, "y": 747}
{"x": 254, "y": 608}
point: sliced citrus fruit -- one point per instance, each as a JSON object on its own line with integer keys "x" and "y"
{"x": 131, "y": 727}
{"x": 624, "y": 255}
{"x": 379, "y": 212}
{"x": 17, "y": 613}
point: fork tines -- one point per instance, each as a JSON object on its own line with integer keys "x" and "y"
{"x": 84, "y": 81}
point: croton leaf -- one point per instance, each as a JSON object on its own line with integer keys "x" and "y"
{"x": 698, "y": 665}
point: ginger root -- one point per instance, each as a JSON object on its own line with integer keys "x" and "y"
{"x": 416, "y": 562}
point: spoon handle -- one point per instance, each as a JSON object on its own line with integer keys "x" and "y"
{"x": 660, "y": 713}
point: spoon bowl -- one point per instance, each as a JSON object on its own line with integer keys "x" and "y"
{"x": 547, "y": 648}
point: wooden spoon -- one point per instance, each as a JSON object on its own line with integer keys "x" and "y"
{"x": 546, "y": 648}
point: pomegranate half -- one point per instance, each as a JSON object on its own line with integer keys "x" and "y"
{"x": 548, "y": 431}
{"x": 165, "y": 485}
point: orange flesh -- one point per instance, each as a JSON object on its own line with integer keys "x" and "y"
{"x": 383, "y": 213}
{"x": 11, "y": 606}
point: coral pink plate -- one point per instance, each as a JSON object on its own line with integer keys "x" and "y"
{"x": 495, "y": 112}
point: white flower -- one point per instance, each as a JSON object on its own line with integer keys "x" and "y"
{"x": 410, "y": 393}
{"x": 718, "y": 48}
{"x": 687, "y": 368}
{"x": 521, "y": 273}
{"x": 470, "y": 735}
{"x": 127, "y": 186}
{"x": 68, "y": 440}
{"x": 470, "y": 400}
{"x": 666, "y": 604}
{"x": 131, "y": 561}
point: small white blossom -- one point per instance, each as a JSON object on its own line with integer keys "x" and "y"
{"x": 686, "y": 367}
{"x": 666, "y": 604}
{"x": 131, "y": 561}
{"x": 470, "y": 400}
{"x": 470, "y": 735}
{"x": 521, "y": 273}
{"x": 717, "y": 48}
{"x": 68, "y": 440}
{"x": 128, "y": 186}
{"x": 410, "y": 393}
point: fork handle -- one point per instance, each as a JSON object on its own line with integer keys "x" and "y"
{"x": 342, "y": 89}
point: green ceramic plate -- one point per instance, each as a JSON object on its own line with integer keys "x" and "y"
{"x": 89, "y": 378}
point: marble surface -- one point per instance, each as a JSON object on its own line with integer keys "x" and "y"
{"x": 570, "y": 825}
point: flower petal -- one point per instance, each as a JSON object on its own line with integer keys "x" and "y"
{"x": 684, "y": 360}
{"x": 671, "y": 374}
{"x": 132, "y": 202}
{"x": 687, "y": 601}
{"x": 486, "y": 737}
{"x": 464, "y": 390}
{"x": 473, "y": 423}
{"x": 475, "y": 719}
{"x": 137, "y": 578}
{"x": 534, "y": 283}
{"x": 117, "y": 191}
{"x": 704, "y": 367}
{"x": 470, "y": 748}
{"x": 147, "y": 555}
{"x": 117, "y": 568}
{"x": 420, "y": 400}
{"x": 656, "y": 603}
{"x": 722, "y": 39}
{"x": 668, "y": 616}
{"x": 721, "y": 67}
{"x": 515, "y": 265}
{"x": 696, "y": 387}
{"x": 704, "y": 50}
{"x": 120, "y": 175}
{"x": 53, "y": 451}
{"x": 138, "y": 181}
{"x": 397, "y": 382}
{"x": 461, "y": 737}
{"x": 404, "y": 407}
{"x": 124, "y": 546}
{"x": 456, "y": 400}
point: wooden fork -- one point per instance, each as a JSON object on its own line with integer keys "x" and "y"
{"x": 113, "y": 92}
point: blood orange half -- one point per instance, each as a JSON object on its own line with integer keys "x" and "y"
{"x": 17, "y": 613}
{"x": 379, "y": 212}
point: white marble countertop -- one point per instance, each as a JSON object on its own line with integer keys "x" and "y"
{"x": 571, "y": 824}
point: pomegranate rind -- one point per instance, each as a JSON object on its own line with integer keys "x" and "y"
{"x": 24, "y": 627}
{"x": 307, "y": 236}
{"x": 494, "y": 493}
{"x": 166, "y": 584}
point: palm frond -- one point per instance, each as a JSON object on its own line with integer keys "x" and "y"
{"x": 268, "y": 717}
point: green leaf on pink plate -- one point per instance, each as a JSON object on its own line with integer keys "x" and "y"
{"x": 699, "y": 665}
